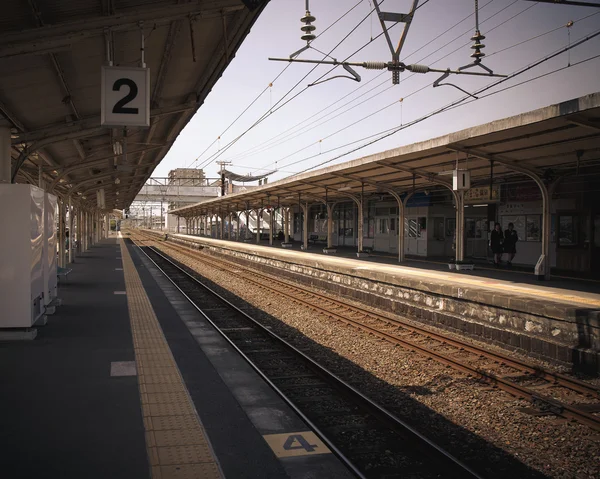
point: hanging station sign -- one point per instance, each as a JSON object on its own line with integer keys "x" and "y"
{"x": 481, "y": 194}
{"x": 125, "y": 96}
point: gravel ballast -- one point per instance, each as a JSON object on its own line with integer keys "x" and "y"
{"x": 482, "y": 426}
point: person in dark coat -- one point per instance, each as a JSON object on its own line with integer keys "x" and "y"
{"x": 510, "y": 243}
{"x": 496, "y": 240}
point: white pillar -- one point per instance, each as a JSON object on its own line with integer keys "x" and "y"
{"x": 71, "y": 232}
{"x": 329, "y": 225}
{"x": 305, "y": 225}
{"x": 258, "y": 225}
{"x": 460, "y": 225}
{"x": 288, "y": 220}
{"x": 546, "y": 219}
{"x": 237, "y": 235}
{"x": 61, "y": 233}
{"x": 271, "y": 218}
{"x": 5, "y": 172}
{"x": 360, "y": 224}
{"x": 401, "y": 230}
{"x": 83, "y": 224}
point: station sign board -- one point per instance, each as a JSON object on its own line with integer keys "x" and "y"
{"x": 125, "y": 96}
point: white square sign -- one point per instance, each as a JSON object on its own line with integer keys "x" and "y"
{"x": 125, "y": 96}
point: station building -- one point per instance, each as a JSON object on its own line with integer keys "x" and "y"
{"x": 539, "y": 170}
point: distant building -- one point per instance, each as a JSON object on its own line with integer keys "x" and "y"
{"x": 187, "y": 177}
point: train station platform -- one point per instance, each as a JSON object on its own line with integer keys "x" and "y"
{"x": 557, "y": 320}
{"x": 126, "y": 380}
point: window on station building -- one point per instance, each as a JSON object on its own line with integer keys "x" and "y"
{"x": 411, "y": 227}
{"x": 416, "y": 227}
{"x": 383, "y": 226}
{"x": 422, "y": 226}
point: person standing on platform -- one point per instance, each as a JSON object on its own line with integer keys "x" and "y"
{"x": 496, "y": 240}
{"x": 510, "y": 243}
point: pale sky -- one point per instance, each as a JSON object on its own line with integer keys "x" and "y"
{"x": 347, "y": 124}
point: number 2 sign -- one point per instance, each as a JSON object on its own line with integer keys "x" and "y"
{"x": 125, "y": 96}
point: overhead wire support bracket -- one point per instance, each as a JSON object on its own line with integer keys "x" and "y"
{"x": 396, "y": 18}
{"x": 400, "y": 67}
{"x": 477, "y": 55}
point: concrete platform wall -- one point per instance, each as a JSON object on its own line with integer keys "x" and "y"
{"x": 553, "y": 331}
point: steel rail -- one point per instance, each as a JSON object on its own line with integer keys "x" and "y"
{"x": 535, "y": 371}
{"x": 557, "y": 407}
{"x": 393, "y": 421}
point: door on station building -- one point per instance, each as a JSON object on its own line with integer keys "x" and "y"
{"x": 386, "y": 230}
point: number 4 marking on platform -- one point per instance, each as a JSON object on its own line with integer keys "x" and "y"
{"x": 300, "y": 443}
{"x": 288, "y": 445}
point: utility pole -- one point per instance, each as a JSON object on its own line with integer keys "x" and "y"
{"x": 222, "y": 172}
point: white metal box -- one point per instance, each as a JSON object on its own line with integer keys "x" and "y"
{"x": 50, "y": 248}
{"x": 21, "y": 255}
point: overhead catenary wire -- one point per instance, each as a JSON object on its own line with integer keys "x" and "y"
{"x": 311, "y": 117}
{"x": 381, "y": 34}
{"x": 384, "y": 108}
{"x": 230, "y": 144}
{"x": 462, "y": 101}
{"x": 265, "y": 145}
{"x": 272, "y": 110}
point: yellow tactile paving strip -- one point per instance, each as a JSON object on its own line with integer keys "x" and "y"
{"x": 175, "y": 439}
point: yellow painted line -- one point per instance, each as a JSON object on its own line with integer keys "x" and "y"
{"x": 293, "y": 444}
{"x": 175, "y": 439}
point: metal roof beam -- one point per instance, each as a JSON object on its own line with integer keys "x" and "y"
{"x": 49, "y": 38}
{"x": 584, "y": 123}
{"x": 86, "y": 127}
{"x": 430, "y": 176}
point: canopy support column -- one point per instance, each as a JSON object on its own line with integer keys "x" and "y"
{"x": 5, "y": 161}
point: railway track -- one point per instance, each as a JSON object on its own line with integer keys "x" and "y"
{"x": 549, "y": 392}
{"x": 370, "y": 440}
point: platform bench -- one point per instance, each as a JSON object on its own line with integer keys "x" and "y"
{"x": 63, "y": 272}
{"x": 317, "y": 239}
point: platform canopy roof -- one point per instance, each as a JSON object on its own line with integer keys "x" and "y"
{"x": 245, "y": 178}
{"x": 549, "y": 143}
{"x": 51, "y": 53}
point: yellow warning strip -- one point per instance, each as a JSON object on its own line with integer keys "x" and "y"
{"x": 175, "y": 439}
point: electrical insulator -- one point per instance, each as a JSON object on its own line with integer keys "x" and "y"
{"x": 375, "y": 65}
{"x": 477, "y": 46}
{"x": 308, "y": 28}
{"x": 417, "y": 68}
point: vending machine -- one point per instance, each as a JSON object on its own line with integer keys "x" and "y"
{"x": 22, "y": 288}
{"x": 50, "y": 248}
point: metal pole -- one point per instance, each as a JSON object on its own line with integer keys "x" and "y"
{"x": 71, "y": 232}
{"x": 258, "y": 224}
{"x": 5, "y": 160}
{"x": 329, "y": 225}
{"x": 305, "y": 225}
